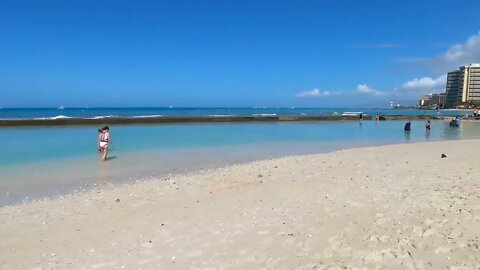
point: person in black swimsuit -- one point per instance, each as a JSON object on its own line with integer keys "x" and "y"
{"x": 427, "y": 126}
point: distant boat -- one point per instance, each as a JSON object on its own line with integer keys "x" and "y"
{"x": 60, "y": 108}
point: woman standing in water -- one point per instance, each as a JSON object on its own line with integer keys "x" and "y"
{"x": 103, "y": 141}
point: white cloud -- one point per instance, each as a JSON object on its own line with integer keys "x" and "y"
{"x": 457, "y": 55}
{"x": 464, "y": 53}
{"x": 365, "y": 89}
{"x": 318, "y": 93}
{"x": 424, "y": 85}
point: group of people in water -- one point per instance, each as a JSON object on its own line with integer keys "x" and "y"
{"x": 104, "y": 139}
{"x": 453, "y": 123}
{"x": 408, "y": 126}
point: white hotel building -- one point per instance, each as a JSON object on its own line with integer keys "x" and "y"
{"x": 463, "y": 85}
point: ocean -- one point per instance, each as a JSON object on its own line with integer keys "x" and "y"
{"x": 36, "y": 162}
{"x": 98, "y": 113}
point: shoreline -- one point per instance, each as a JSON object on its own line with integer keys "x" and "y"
{"x": 200, "y": 119}
{"x": 45, "y": 173}
{"x": 121, "y": 174}
{"x": 371, "y": 207}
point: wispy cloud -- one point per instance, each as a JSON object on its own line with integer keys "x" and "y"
{"x": 381, "y": 46}
{"x": 365, "y": 89}
{"x": 424, "y": 85}
{"x": 464, "y": 52}
{"x": 455, "y": 56}
{"x": 318, "y": 93}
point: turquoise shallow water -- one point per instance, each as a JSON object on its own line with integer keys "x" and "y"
{"x": 41, "y": 162}
{"x": 23, "y": 145}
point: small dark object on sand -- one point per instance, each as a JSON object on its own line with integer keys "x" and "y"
{"x": 444, "y": 156}
{"x": 118, "y": 200}
{"x": 260, "y": 176}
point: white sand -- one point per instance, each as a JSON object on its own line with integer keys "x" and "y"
{"x": 391, "y": 207}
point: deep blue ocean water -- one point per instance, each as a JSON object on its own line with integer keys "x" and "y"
{"x": 45, "y": 113}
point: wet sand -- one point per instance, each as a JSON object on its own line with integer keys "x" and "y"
{"x": 389, "y": 207}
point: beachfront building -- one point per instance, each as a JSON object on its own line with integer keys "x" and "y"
{"x": 424, "y": 101}
{"x": 463, "y": 85}
{"x": 432, "y": 101}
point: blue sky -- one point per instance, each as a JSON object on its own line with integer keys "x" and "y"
{"x": 231, "y": 53}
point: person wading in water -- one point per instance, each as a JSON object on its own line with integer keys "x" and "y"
{"x": 103, "y": 141}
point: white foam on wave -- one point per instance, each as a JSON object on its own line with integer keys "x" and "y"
{"x": 118, "y": 116}
{"x": 351, "y": 113}
{"x": 265, "y": 114}
{"x": 147, "y": 116}
{"x": 53, "y": 118}
{"x": 102, "y": 116}
{"x": 222, "y": 115}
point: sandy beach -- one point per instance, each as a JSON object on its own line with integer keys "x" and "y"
{"x": 388, "y": 207}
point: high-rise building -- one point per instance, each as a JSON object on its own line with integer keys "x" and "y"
{"x": 463, "y": 85}
{"x": 432, "y": 101}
